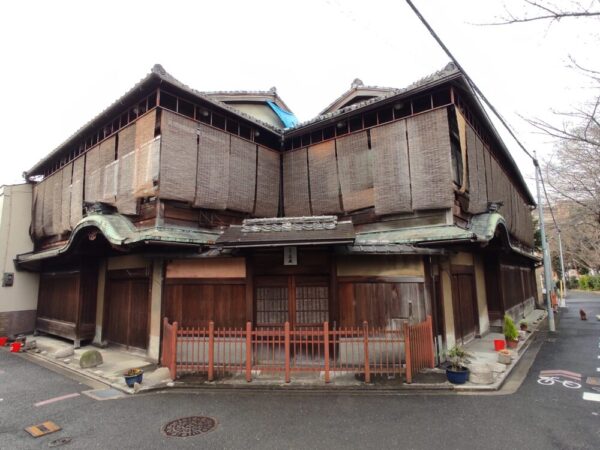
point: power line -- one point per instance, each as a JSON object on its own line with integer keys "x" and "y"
{"x": 468, "y": 78}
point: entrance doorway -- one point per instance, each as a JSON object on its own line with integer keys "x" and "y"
{"x": 464, "y": 302}
{"x": 127, "y": 308}
{"x": 301, "y": 300}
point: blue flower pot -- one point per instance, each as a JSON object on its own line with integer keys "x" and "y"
{"x": 132, "y": 379}
{"x": 457, "y": 377}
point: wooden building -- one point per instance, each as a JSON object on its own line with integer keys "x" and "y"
{"x": 392, "y": 205}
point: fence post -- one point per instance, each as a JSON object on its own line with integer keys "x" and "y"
{"x": 287, "y": 351}
{"x": 166, "y": 344}
{"x": 430, "y": 344}
{"x": 326, "y": 349}
{"x": 248, "y": 352}
{"x": 366, "y": 339}
{"x": 407, "y": 352}
{"x": 211, "y": 351}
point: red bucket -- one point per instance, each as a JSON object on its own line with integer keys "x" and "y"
{"x": 3, "y": 341}
{"x": 15, "y": 347}
{"x": 499, "y": 344}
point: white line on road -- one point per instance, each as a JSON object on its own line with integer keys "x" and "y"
{"x": 592, "y": 397}
{"x": 57, "y": 399}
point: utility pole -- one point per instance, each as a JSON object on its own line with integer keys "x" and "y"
{"x": 562, "y": 269}
{"x": 545, "y": 252}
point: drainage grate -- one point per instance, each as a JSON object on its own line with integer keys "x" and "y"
{"x": 189, "y": 426}
{"x": 58, "y": 442}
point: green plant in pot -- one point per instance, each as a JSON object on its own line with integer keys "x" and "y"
{"x": 456, "y": 372}
{"x": 511, "y": 334}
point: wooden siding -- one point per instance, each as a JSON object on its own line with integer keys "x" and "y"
{"x": 382, "y": 304}
{"x": 67, "y": 303}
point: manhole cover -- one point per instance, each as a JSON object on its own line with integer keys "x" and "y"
{"x": 58, "y": 442}
{"x": 189, "y": 426}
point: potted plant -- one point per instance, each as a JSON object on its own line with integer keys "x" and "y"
{"x": 523, "y": 325}
{"x": 133, "y": 376}
{"x": 456, "y": 372}
{"x": 510, "y": 332}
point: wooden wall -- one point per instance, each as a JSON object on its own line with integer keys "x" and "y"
{"x": 67, "y": 303}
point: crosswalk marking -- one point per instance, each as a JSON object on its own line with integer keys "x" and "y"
{"x": 592, "y": 397}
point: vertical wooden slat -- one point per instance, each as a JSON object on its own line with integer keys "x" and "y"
{"x": 287, "y": 351}
{"x": 366, "y": 344}
{"x": 248, "y": 351}
{"x": 407, "y": 352}
{"x": 326, "y": 349}
{"x": 211, "y": 350}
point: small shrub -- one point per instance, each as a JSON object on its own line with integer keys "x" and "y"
{"x": 510, "y": 330}
{"x": 458, "y": 357}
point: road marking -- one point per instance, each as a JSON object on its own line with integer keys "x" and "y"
{"x": 558, "y": 373}
{"x": 57, "y": 399}
{"x": 592, "y": 397}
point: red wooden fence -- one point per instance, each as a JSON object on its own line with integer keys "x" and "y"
{"x": 362, "y": 350}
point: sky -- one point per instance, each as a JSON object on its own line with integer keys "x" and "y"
{"x": 63, "y": 62}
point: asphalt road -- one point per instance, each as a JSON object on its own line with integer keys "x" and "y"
{"x": 535, "y": 416}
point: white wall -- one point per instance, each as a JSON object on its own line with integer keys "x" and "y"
{"x": 18, "y": 302}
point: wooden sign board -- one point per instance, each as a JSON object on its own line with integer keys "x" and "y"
{"x": 42, "y": 429}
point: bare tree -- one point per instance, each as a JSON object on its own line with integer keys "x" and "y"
{"x": 549, "y": 11}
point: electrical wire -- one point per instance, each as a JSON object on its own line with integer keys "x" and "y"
{"x": 469, "y": 79}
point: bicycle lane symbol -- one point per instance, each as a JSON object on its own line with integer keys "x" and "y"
{"x": 570, "y": 380}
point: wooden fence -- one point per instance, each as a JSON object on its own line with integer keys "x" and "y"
{"x": 365, "y": 351}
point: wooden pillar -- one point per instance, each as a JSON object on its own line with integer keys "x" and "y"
{"x": 211, "y": 351}
{"x": 287, "y": 351}
{"x": 326, "y": 349}
{"x": 249, "y": 290}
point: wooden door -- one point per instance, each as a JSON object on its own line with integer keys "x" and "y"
{"x": 127, "y": 304}
{"x": 464, "y": 303}
{"x": 299, "y": 300}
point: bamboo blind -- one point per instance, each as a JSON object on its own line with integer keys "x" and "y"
{"x": 92, "y": 165}
{"x": 77, "y": 192}
{"x": 212, "y": 176}
{"x": 144, "y": 129}
{"x": 267, "y": 183}
{"x": 38, "y": 210}
{"x": 179, "y": 153}
{"x": 324, "y": 181}
{"x": 65, "y": 213}
{"x": 110, "y": 182}
{"x": 295, "y": 183}
{"x": 391, "y": 173}
{"x": 125, "y": 201}
{"x": 476, "y": 173}
{"x": 56, "y": 203}
{"x": 430, "y": 160}
{"x": 242, "y": 175}
{"x": 48, "y": 215}
{"x": 355, "y": 171}
{"x": 147, "y": 158}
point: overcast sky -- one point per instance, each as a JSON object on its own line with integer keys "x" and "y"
{"x": 63, "y": 62}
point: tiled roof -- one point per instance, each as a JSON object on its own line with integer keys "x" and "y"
{"x": 285, "y": 231}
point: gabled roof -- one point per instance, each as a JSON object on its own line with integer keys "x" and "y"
{"x": 357, "y": 90}
{"x": 448, "y": 73}
{"x": 248, "y": 96}
{"x": 158, "y": 76}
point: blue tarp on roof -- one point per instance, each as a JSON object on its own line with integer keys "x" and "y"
{"x": 289, "y": 119}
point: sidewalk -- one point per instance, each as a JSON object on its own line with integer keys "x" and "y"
{"x": 484, "y": 363}
{"x": 115, "y": 363}
{"x": 483, "y": 366}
